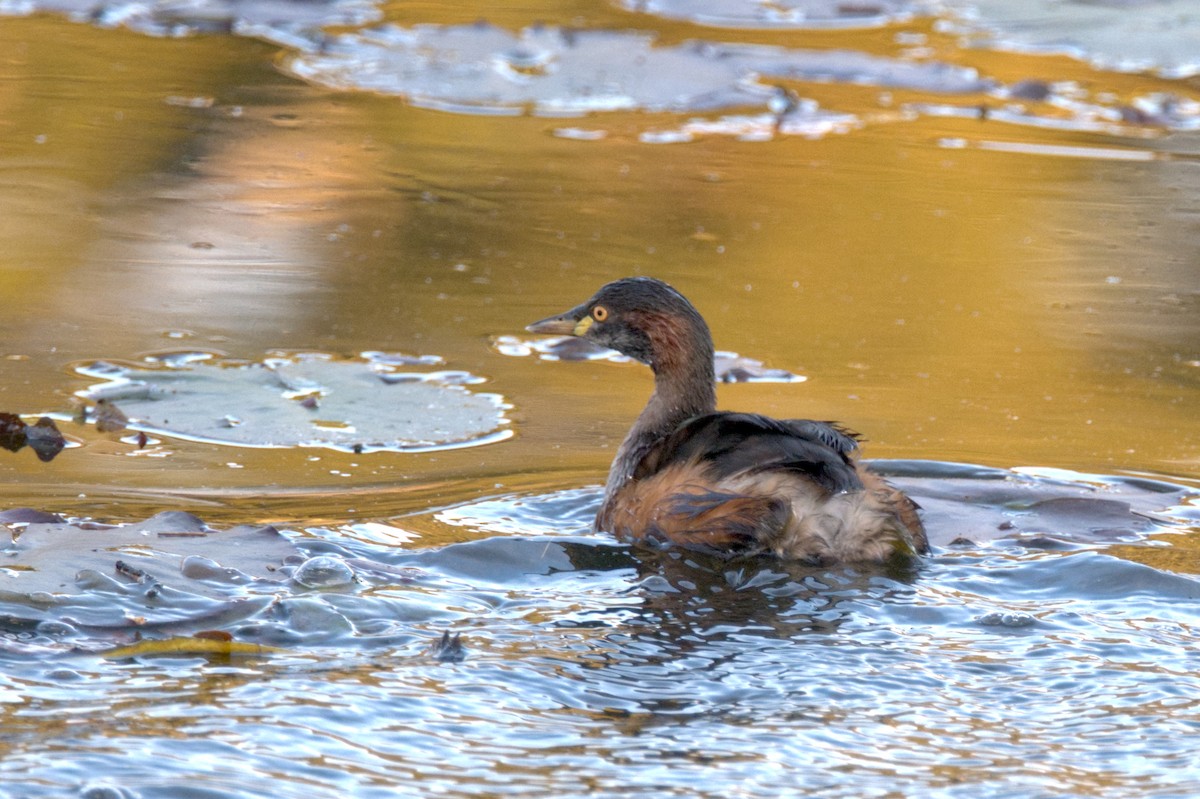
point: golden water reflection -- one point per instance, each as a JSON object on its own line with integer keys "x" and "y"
{"x": 952, "y": 301}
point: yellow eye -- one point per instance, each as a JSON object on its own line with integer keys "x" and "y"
{"x": 599, "y": 313}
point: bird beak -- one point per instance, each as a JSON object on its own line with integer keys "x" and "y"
{"x": 572, "y": 323}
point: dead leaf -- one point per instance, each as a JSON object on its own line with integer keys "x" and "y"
{"x": 12, "y": 432}
{"x": 188, "y": 646}
{"x": 214, "y": 635}
{"x": 43, "y": 438}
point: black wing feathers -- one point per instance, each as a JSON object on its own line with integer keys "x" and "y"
{"x": 739, "y": 442}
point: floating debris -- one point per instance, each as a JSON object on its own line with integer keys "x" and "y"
{"x": 448, "y": 649}
{"x": 194, "y": 645}
{"x": 43, "y": 437}
{"x": 729, "y": 366}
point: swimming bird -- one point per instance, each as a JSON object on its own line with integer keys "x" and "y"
{"x": 734, "y": 484}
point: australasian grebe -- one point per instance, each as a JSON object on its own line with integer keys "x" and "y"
{"x": 729, "y": 483}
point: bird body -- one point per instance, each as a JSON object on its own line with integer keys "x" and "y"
{"x": 730, "y": 483}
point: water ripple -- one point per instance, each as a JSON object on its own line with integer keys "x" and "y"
{"x": 996, "y": 669}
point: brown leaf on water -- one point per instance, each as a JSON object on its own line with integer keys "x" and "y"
{"x": 214, "y": 635}
{"x": 110, "y": 418}
{"x": 43, "y": 438}
{"x": 12, "y": 432}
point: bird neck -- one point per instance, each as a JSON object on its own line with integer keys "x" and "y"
{"x": 684, "y": 387}
{"x": 679, "y": 395}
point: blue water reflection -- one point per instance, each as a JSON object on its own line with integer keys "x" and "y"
{"x": 997, "y": 669}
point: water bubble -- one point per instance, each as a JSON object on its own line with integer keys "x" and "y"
{"x": 55, "y": 628}
{"x": 324, "y": 571}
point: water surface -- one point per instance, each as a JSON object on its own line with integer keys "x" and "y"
{"x": 973, "y": 237}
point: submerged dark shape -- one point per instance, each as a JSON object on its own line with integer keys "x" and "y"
{"x": 28, "y": 516}
{"x": 43, "y": 437}
{"x": 731, "y": 483}
{"x": 448, "y": 649}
